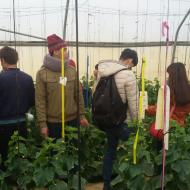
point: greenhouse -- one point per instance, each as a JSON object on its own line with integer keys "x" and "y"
{"x": 95, "y": 95}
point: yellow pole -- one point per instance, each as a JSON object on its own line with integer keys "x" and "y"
{"x": 140, "y": 110}
{"x": 63, "y": 93}
{"x": 142, "y": 90}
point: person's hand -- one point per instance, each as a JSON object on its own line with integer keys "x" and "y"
{"x": 84, "y": 122}
{"x": 44, "y": 131}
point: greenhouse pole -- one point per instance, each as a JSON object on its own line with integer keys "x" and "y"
{"x": 78, "y": 122}
{"x": 65, "y": 21}
{"x": 176, "y": 35}
{"x": 87, "y": 86}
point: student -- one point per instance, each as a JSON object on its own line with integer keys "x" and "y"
{"x": 127, "y": 87}
{"x": 179, "y": 93}
{"x": 16, "y": 98}
{"x": 48, "y": 91}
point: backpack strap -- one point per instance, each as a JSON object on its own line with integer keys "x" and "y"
{"x": 119, "y": 71}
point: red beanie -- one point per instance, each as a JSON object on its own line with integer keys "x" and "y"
{"x": 55, "y": 43}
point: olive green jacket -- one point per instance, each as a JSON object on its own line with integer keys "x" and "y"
{"x": 48, "y": 96}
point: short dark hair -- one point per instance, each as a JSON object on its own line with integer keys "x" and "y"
{"x": 9, "y": 54}
{"x": 129, "y": 54}
{"x": 96, "y": 66}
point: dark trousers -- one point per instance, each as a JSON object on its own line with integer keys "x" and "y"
{"x": 114, "y": 134}
{"x": 6, "y": 131}
{"x": 55, "y": 129}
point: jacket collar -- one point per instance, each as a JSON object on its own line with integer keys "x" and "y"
{"x": 53, "y": 63}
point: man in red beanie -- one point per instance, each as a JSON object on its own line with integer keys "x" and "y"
{"x": 48, "y": 91}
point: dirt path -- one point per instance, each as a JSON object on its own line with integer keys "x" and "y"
{"x": 94, "y": 186}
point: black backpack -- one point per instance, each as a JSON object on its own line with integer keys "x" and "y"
{"x": 108, "y": 109}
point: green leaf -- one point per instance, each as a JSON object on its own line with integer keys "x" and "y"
{"x": 136, "y": 183}
{"x": 124, "y": 166}
{"x": 70, "y": 163}
{"x": 172, "y": 157}
{"x": 181, "y": 167}
{"x": 156, "y": 181}
{"x": 135, "y": 170}
{"x": 58, "y": 168}
{"x": 117, "y": 180}
{"x": 187, "y": 139}
{"x": 4, "y": 186}
{"x": 22, "y": 149}
{"x": 43, "y": 176}
{"x": 148, "y": 169}
{"x": 73, "y": 182}
{"x": 182, "y": 186}
{"x": 24, "y": 181}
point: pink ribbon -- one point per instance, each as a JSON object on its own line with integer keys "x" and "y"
{"x": 165, "y": 26}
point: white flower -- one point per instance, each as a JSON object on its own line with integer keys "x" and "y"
{"x": 29, "y": 117}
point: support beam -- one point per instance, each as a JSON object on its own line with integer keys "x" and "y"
{"x": 21, "y": 34}
{"x": 97, "y": 44}
{"x": 176, "y": 35}
{"x": 87, "y": 44}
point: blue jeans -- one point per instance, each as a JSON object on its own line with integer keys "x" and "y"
{"x": 120, "y": 132}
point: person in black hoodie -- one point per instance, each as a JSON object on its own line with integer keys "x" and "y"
{"x": 16, "y": 98}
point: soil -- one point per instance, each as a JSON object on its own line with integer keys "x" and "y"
{"x": 94, "y": 186}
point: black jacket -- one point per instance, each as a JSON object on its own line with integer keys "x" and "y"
{"x": 16, "y": 94}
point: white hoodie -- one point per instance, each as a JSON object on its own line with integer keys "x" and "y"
{"x": 126, "y": 83}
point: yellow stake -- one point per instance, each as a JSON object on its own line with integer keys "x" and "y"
{"x": 140, "y": 110}
{"x": 141, "y": 98}
{"x": 135, "y": 147}
{"x": 63, "y": 93}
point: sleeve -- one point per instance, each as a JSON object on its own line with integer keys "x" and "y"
{"x": 151, "y": 111}
{"x": 32, "y": 94}
{"x": 132, "y": 95}
{"x": 1, "y": 92}
{"x": 40, "y": 101}
{"x": 81, "y": 99}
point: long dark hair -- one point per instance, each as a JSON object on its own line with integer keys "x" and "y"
{"x": 178, "y": 83}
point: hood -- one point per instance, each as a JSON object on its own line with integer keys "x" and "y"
{"x": 53, "y": 63}
{"x": 109, "y": 67}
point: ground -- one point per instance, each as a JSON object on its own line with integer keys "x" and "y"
{"x": 94, "y": 186}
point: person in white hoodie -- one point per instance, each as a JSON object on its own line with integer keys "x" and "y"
{"x": 127, "y": 87}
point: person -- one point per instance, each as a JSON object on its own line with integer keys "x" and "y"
{"x": 16, "y": 98}
{"x": 48, "y": 91}
{"x": 179, "y": 93}
{"x": 127, "y": 87}
{"x": 95, "y": 77}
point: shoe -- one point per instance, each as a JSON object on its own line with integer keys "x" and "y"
{"x": 107, "y": 188}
